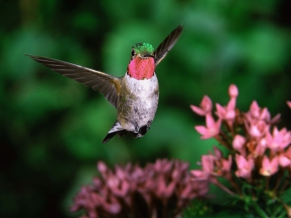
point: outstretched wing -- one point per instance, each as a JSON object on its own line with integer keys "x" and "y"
{"x": 167, "y": 44}
{"x": 107, "y": 85}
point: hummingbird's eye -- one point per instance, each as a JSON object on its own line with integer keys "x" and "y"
{"x": 132, "y": 52}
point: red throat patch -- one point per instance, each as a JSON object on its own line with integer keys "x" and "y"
{"x": 141, "y": 68}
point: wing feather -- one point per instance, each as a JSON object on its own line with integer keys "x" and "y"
{"x": 167, "y": 44}
{"x": 107, "y": 85}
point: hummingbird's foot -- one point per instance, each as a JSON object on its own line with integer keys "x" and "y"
{"x": 142, "y": 131}
{"x": 149, "y": 124}
{"x": 136, "y": 135}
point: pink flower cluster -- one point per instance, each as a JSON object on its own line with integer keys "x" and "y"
{"x": 258, "y": 150}
{"x": 162, "y": 189}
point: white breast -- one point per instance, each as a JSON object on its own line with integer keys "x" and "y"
{"x": 138, "y": 102}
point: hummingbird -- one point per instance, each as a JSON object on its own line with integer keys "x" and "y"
{"x": 135, "y": 95}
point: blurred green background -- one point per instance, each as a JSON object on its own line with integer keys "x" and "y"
{"x": 51, "y": 127}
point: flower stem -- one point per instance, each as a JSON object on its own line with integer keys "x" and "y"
{"x": 222, "y": 139}
{"x": 224, "y": 188}
{"x": 287, "y": 208}
{"x": 232, "y": 182}
{"x": 278, "y": 181}
{"x": 259, "y": 210}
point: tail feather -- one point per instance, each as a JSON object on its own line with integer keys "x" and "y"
{"x": 108, "y": 137}
{"x": 116, "y": 128}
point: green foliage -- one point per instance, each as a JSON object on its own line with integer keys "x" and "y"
{"x": 198, "y": 208}
{"x": 52, "y": 127}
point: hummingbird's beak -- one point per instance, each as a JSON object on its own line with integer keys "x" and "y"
{"x": 147, "y": 56}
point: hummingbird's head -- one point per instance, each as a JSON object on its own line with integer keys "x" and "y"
{"x": 142, "y": 50}
{"x": 142, "y": 63}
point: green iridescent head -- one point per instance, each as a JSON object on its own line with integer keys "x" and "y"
{"x": 143, "y": 49}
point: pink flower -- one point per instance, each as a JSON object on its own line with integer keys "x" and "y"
{"x": 279, "y": 139}
{"x": 238, "y": 142}
{"x": 254, "y": 110}
{"x": 212, "y": 128}
{"x": 204, "y": 175}
{"x": 165, "y": 187}
{"x": 200, "y": 174}
{"x": 259, "y": 129}
{"x": 226, "y": 164}
{"x": 283, "y": 160}
{"x": 213, "y": 166}
{"x": 269, "y": 167}
{"x": 208, "y": 163}
{"x": 255, "y": 113}
{"x": 289, "y": 104}
{"x": 233, "y": 91}
{"x": 260, "y": 148}
{"x": 244, "y": 166}
{"x": 217, "y": 153}
{"x": 221, "y": 166}
{"x": 226, "y": 167}
{"x": 226, "y": 113}
{"x": 205, "y": 106}
{"x": 275, "y": 119}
